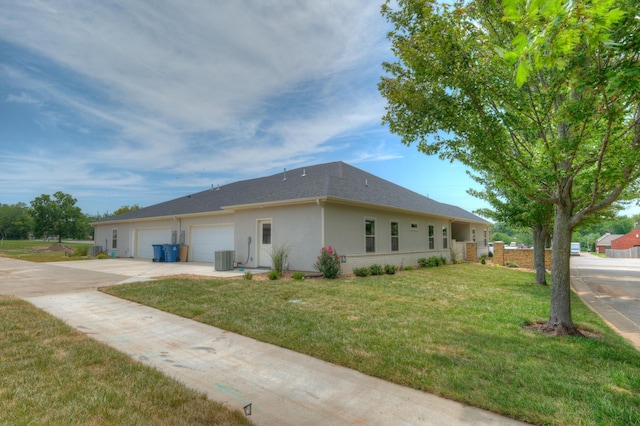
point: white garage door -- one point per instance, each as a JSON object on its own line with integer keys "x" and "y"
{"x": 148, "y": 237}
{"x": 206, "y": 240}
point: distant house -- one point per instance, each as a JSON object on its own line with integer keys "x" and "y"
{"x": 367, "y": 219}
{"x": 627, "y": 241}
{"x": 603, "y": 243}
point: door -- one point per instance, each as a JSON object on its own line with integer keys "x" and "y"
{"x": 264, "y": 238}
{"x": 206, "y": 240}
{"x": 148, "y": 237}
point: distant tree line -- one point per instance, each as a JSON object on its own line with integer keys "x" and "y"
{"x": 50, "y": 216}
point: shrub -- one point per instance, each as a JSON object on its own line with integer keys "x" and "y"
{"x": 433, "y": 261}
{"x": 376, "y": 270}
{"x": 443, "y": 261}
{"x": 361, "y": 272}
{"x": 512, "y": 265}
{"x": 483, "y": 260}
{"x": 81, "y": 251}
{"x": 248, "y": 275}
{"x": 408, "y": 268}
{"x": 490, "y": 254}
{"x": 390, "y": 269}
{"x": 274, "y": 275}
{"x": 454, "y": 255}
{"x": 298, "y": 275}
{"x": 102, "y": 256}
{"x": 328, "y": 263}
{"x": 279, "y": 258}
{"x": 422, "y": 262}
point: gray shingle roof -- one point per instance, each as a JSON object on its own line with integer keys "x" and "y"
{"x": 335, "y": 180}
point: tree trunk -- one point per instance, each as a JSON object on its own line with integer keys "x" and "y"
{"x": 540, "y": 236}
{"x": 560, "y": 322}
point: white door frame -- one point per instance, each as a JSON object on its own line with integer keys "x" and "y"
{"x": 264, "y": 243}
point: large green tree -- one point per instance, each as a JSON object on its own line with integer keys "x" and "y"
{"x": 15, "y": 221}
{"x": 57, "y": 217}
{"x": 542, "y": 92}
{"x": 511, "y": 207}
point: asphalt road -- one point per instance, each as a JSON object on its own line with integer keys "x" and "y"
{"x": 611, "y": 287}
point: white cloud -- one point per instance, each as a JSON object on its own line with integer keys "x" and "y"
{"x": 190, "y": 88}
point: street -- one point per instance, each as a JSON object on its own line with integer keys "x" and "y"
{"x": 614, "y": 285}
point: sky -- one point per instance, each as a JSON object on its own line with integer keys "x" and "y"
{"x": 138, "y": 102}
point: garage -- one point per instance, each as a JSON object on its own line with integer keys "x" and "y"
{"x": 206, "y": 240}
{"x": 148, "y": 237}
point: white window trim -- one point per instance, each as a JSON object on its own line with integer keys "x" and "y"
{"x": 414, "y": 228}
{"x": 375, "y": 231}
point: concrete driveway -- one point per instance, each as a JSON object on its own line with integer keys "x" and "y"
{"x": 283, "y": 387}
{"x": 610, "y": 287}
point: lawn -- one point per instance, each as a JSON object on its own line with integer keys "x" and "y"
{"x": 459, "y": 331}
{"x": 39, "y": 251}
{"x": 52, "y": 374}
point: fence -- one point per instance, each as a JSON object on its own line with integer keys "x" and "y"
{"x": 520, "y": 256}
{"x": 632, "y": 253}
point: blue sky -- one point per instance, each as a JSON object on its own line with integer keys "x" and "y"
{"x": 139, "y": 102}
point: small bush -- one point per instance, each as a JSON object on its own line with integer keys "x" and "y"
{"x": 443, "y": 261}
{"x": 454, "y": 255}
{"x": 328, "y": 263}
{"x": 102, "y": 256}
{"x": 422, "y": 262}
{"x": 433, "y": 261}
{"x": 390, "y": 269}
{"x": 361, "y": 272}
{"x": 376, "y": 270}
{"x": 490, "y": 254}
{"x": 408, "y": 268}
{"x": 298, "y": 275}
{"x": 512, "y": 265}
{"x": 279, "y": 258}
{"x": 274, "y": 275}
{"x": 483, "y": 260}
{"x": 81, "y": 251}
{"x": 248, "y": 275}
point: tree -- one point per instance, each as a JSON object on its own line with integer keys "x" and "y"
{"x": 15, "y": 222}
{"x": 57, "y": 217}
{"x": 126, "y": 209}
{"x": 542, "y": 93}
{"x": 513, "y": 208}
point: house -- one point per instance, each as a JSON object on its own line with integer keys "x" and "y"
{"x": 627, "y": 241}
{"x": 365, "y": 218}
{"x": 603, "y": 243}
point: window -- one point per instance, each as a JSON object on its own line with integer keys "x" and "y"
{"x": 445, "y": 242}
{"x": 485, "y": 237}
{"x": 432, "y": 243}
{"x": 370, "y": 235}
{"x": 473, "y": 234}
{"x": 114, "y": 239}
{"x": 413, "y": 226}
{"x": 266, "y": 233}
{"x": 394, "y": 237}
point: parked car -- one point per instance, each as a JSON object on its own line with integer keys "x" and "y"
{"x": 575, "y": 249}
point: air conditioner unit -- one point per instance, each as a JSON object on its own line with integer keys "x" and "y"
{"x": 95, "y": 250}
{"x": 224, "y": 260}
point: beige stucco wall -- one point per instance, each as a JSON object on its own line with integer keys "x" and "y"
{"x": 127, "y": 235}
{"x": 296, "y": 227}
{"x": 345, "y": 231}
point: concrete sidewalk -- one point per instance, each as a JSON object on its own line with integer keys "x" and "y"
{"x": 282, "y": 386}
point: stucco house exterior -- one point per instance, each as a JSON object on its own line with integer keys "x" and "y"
{"x": 365, "y": 218}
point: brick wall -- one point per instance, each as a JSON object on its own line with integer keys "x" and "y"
{"x": 627, "y": 241}
{"x": 471, "y": 252}
{"x": 521, "y": 257}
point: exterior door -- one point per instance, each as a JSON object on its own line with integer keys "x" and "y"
{"x": 264, "y": 239}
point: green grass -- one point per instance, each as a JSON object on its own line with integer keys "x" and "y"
{"x": 52, "y": 374}
{"x": 455, "y": 331}
{"x": 33, "y": 250}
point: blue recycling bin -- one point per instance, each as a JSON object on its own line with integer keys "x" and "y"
{"x": 158, "y": 252}
{"x": 171, "y": 252}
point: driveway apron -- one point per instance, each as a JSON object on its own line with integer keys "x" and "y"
{"x": 282, "y": 387}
